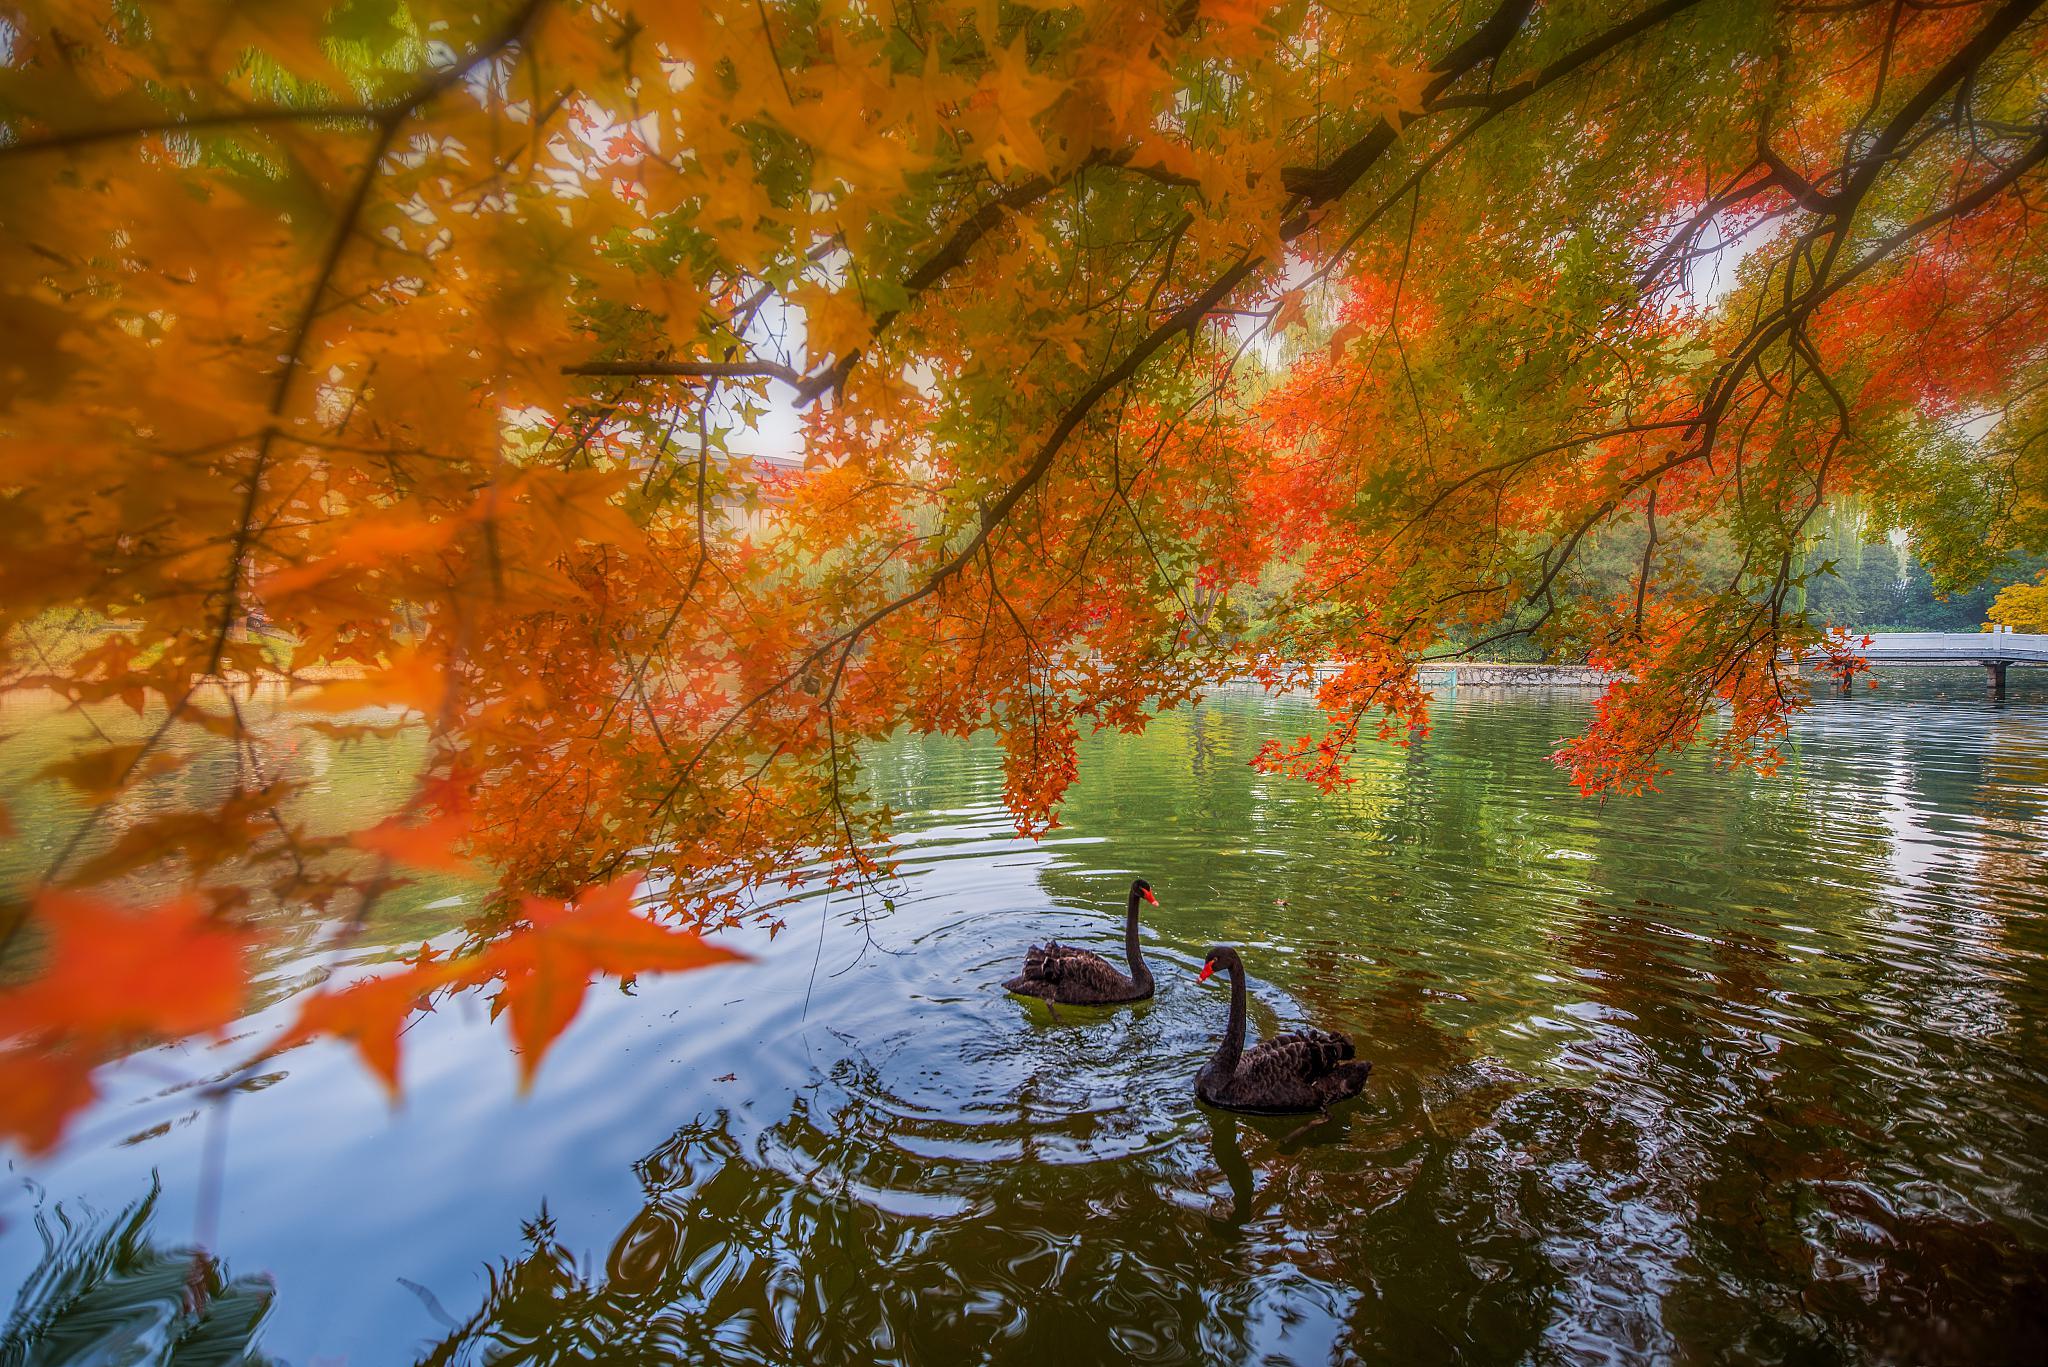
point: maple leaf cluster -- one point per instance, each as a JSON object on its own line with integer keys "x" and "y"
{"x": 627, "y": 412}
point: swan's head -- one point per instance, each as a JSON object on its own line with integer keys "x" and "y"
{"x": 1223, "y": 957}
{"x": 1141, "y": 888}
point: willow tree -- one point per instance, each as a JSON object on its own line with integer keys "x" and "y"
{"x": 411, "y": 350}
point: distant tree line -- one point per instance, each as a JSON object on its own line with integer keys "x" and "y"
{"x": 1850, "y": 575}
{"x": 1885, "y": 587}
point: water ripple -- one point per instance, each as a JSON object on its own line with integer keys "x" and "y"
{"x": 1743, "y": 1070}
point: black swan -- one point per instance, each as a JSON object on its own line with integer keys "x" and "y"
{"x": 1079, "y": 977}
{"x": 1302, "y": 1070}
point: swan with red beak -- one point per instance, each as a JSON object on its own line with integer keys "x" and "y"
{"x": 1062, "y": 974}
{"x": 1302, "y": 1070}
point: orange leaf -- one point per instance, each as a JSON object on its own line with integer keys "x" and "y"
{"x": 548, "y": 967}
{"x": 604, "y": 929}
{"x": 206, "y": 838}
{"x": 429, "y": 845}
{"x": 1291, "y": 310}
{"x": 1402, "y": 85}
{"x": 101, "y": 773}
{"x": 414, "y": 678}
{"x": 371, "y": 542}
{"x": 348, "y": 732}
{"x": 370, "y": 1014}
{"x": 570, "y": 506}
{"x": 39, "y": 1090}
{"x": 115, "y": 974}
{"x": 543, "y": 991}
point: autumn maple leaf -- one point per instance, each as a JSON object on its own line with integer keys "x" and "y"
{"x": 1401, "y": 89}
{"x": 545, "y": 968}
{"x": 99, "y": 774}
{"x": 112, "y": 976}
{"x": 369, "y": 543}
{"x": 415, "y": 678}
{"x": 427, "y": 845}
{"x": 566, "y": 507}
{"x": 115, "y": 975}
{"x": 371, "y": 1014}
{"x": 548, "y": 966}
{"x": 39, "y": 1090}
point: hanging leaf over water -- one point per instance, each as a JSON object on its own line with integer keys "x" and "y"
{"x": 542, "y": 968}
{"x": 547, "y": 966}
{"x": 109, "y": 973}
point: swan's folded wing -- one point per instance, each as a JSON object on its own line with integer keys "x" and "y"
{"x": 1040, "y": 960}
{"x": 1080, "y": 969}
{"x": 1306, "y": 1054}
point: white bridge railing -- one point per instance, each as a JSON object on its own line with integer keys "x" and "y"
{"x": 1956, "y": 647}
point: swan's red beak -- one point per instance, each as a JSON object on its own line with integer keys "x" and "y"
{"x": 1207, "y": 969}
{"x": 1149, "y": 897}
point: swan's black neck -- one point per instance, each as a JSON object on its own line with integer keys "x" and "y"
{"x": 1232, "y": 1048}
{"x": 1139, "y": 972}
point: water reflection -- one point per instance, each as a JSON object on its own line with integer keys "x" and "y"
{"x": 332, "y": 787}
{"x": 1228, "y": 1152}
{"x": 1747, "y": 1070}
{"x": 718, "y": 1264}
{"x": 1002, "y": 1186}
{"x": 717, "y": 1261}
{"x": 105, "y": 1292}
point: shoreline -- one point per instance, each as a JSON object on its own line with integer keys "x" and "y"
{"x": 1481, "y": 674}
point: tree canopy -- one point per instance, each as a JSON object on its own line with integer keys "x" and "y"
{"x": 2023, "y": 607}
{"x": 430, "y": 356}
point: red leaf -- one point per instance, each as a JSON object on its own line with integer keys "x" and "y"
{"x": 114, "y": 975}
{"x": 40, "y": 1090}
{"x": 548, "y": 967}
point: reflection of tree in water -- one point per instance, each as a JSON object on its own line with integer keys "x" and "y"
{"x": 1726, "y": 1156}
{"x": 1411, "y": 1195}
{"x": 104, "y": 1293}
{"x": 730, "y": 1262}
{"x": 1769, "y": 1155}
{"x": 877, "y": 1231}
{"x": 1758, "y": 1149}
{"x": 1203, "y": 749}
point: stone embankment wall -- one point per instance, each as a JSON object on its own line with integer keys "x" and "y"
{"x": 1478, "y": 675}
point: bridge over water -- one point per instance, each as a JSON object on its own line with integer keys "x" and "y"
{"x": 1995, "y": 650}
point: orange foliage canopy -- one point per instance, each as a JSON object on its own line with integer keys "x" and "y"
{"x": 650, "y": 404}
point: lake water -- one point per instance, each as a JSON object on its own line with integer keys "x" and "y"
{"x": 1746, "y": 1069}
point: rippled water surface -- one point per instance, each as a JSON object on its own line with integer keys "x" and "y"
{"x": 1746, "y": 1069}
